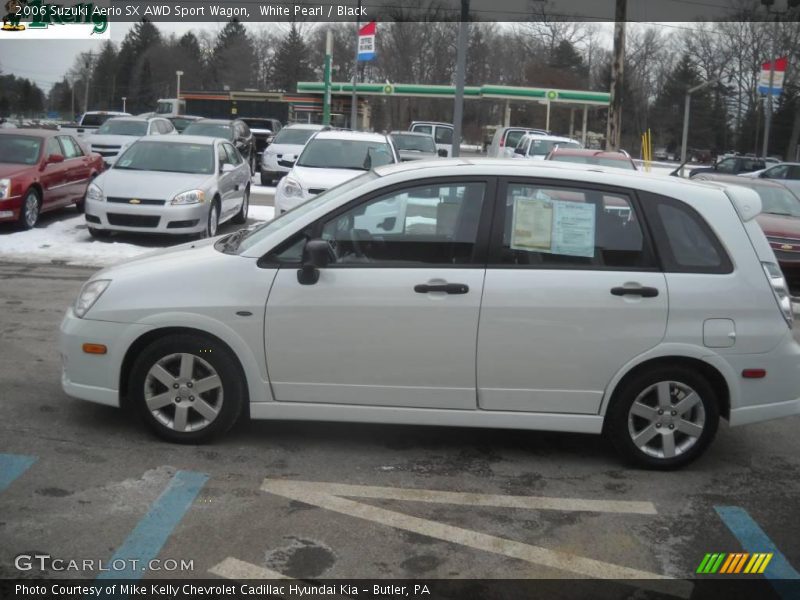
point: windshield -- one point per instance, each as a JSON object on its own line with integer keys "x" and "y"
{"x": 95, "y": 119}
{"x": 418, "y": 143}
{"x": 171, "y": 157}
{"x": 542, "y": 147}
{"x": 164, "y": 108}
{"x": 345, "y": 154}
{"x": 290, "y": 135}
{"x": 19, "y": 149}
{"x": 263, "y": 230}
{"x": 778, "y": 201}
{"x": 181, "y": 123}
{"x": 219, "y": 130}
{"x": 123, "y": 127}
{"x": 603, "y": 161}
{"x": 258, "y": 123}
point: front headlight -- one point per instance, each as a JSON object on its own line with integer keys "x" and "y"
{"x": 90, "y": 292}
{"x": 292, "y": 189}
{"x": 94, "y": 193}
{"x": 5, "y": 188}
{"x": 190, "y": 197}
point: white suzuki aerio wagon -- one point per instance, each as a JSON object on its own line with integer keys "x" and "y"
{"x": 459, "y": 293}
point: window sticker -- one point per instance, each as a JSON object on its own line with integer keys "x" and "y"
{"x": 553, "y": 226}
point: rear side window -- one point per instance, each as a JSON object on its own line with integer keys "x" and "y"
{"x": 685, "y": 242}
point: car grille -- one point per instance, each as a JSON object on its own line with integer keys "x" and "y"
{"x": 150, "y": 202}
{"x": 105, "y": 151}
{"x": 133, "y": 220}
{"x": 316, "y": 191}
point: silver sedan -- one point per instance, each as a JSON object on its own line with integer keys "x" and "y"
{"x": 175, "y": 185}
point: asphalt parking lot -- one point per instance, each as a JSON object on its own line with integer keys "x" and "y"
{"x": 313, "y": 500}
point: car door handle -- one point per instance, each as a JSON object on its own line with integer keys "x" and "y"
{"x": 447, "y": 288}
{"x": 643, "y": 291}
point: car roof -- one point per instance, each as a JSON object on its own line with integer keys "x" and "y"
{"x": 32, "y": 132}
{"x": 184, "y": 139}
{"x": 411, "y": 133}
{"x": 191, "y": 117}
{"x": 350, "y": 135}
{"x": 614, "y": 155}
{"x": 316, "y": 126}
{"x": 430, "y": 123}
{"x": 217, "y": 121}
{"x": 547, "y": 137}
{"x": 744, "y": 181}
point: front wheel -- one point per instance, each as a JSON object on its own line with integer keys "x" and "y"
{"x": 663, "y": 418}
{"x": 31, "y": 207}
{"x": 99, "y": 234}
{"x": 187, "y": 388}
{"x": 241, "y": 216}
{"x": 212, "y": 222}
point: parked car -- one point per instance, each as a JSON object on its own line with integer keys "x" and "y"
{"x": 171, "y": 185}
{"x": 181, "y": 122}
{"x": 323, "y": 317}
{"x": 42, "y": 170}
{"x": 236, "y": 131}
{"x": 780, "y": 220}
{"x": 506, "y": 139}
{"x": 619, "y": 160}
{"x": 534, "y": 146}
{"x": 264, "y": 131}
{"x": 731, "y": 165}
{"x": 411, "y": 145}
{"x": 442, "y": 133}
{"x": 90, "y": 122}
{"x": 115, "y": 135}
{"x": 783, "y": 171}
{"x": 288, "y": 142}
{"x": 328, "y": 159}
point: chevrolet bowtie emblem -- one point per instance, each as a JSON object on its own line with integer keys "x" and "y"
{"x": 134, "y": 201}
{"x": 786, "y": 247}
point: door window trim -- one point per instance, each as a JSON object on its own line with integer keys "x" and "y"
{"x": 498, "y": 225}
{"x": 480, "y": 254}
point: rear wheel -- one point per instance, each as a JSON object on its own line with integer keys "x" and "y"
{"x": 31, "y": 207}
{"x": 663, "y": 418}
{"x": 187, "y": 388}
{"x": 266, "y": 178}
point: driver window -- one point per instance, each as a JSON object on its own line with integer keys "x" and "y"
{"x": 726, "y": 166}
{"x": 433, "y": 224}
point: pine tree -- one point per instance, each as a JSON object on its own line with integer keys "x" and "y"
{"x": 291, "y": 62}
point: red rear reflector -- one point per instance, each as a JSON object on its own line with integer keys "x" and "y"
{"x": 94, "y": 349}
{"x": 754, "y": 373}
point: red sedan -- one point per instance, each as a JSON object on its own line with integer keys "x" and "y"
{"x": 42, "y": 170}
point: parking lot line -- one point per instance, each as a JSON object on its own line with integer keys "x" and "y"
{"x": 753, "y": 539}
{"x": 323, "y": 496}
{"x": 152, "y": 531}
{"x": 12, "y": 466}
{"x": 233, "y": 568}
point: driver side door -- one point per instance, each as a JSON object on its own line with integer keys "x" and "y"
{"x": 393, "y": 320}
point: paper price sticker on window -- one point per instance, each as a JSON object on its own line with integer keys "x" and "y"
{"x": 554, "y": 227}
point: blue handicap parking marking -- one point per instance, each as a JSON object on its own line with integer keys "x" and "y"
{"x": 153, "y": 530}
{"x": 12, "y": 466}
{"x": 753, "y": 539}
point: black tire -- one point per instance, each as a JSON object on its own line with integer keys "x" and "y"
{"x": 621, "y": 425}
{"x": 252, "y": 163}
{"x": 30, "y": 210}
{"x": 212, "y": 220}
{"x": 80, "y": 206}
{"x": 99, "y": 234}
{"x": 208, "y": 356}
{"x": 241, "y": 216}
{"x": 266, "y": 178}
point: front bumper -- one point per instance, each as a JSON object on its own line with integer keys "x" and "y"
{"x": 94, "y": 377}
{"x": 9, "y": 208}
{"x": 162, "y": 219}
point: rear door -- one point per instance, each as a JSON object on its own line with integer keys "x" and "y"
{"x": 53, "y": 176}
{"x": 77, "y": 169}
{"x": 572, "y": 293}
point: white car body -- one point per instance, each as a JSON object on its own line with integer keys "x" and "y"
{"x": 502, "y": 147}
{"x": 525, "y": 146}
{"x": 307, "y": 182}
{"x": 270, "y": 159}
{"x": 442, "y": 133}
{"x": 110, "y": 147}
{"x": 553, "y": 349}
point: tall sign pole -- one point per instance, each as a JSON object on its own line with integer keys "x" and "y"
{"x": 461, "y": 60}
{"x": 768, "y": 111}
{"x": 354, "y": 97}
{"x": 326, "y": 106}
{"x": 614, "y": 130}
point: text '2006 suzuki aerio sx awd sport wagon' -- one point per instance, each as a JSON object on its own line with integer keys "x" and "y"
{"x": 459, "y": 293}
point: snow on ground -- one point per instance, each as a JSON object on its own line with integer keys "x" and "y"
{"x": 62, "y": 237}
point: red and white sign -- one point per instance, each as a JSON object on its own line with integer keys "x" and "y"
{"x": 366, "y": 41}
{"x": 778, "y": 75}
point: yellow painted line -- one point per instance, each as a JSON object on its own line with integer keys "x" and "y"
{"x": 322, "y": 495}
{"x": 740, "y": 564}
{"x": 727, "y": 563}
{"x": 752, "y": 562}
{"x": 765, "y": 563}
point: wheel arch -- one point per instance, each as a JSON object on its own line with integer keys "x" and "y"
{"x": 719, "y": 381}
{"x": 148, "y": 337}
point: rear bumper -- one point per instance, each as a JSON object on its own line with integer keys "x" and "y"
{"x": 9, "y": 208}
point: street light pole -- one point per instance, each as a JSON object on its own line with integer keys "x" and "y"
{"x": 354, "y": 96}
{"x": 178, "y": 90}
{"x": 768, "y": 111}
{"x": 461, "y": 60}
{"x": 686, "y": 109}
{"x": 124, "y": 98}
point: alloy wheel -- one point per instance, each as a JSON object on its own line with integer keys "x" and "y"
{"x": 31, "y": 210}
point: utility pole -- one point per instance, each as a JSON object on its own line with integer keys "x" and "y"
{"x": 178, "y": 87}
{"x": 686, "y": 109}
{"x": 614, "y": 129}
{"x": 461, "y": 62}
{"x": 354, "y": 96}
{"x": 123, "y": 104}
{"x": 768, "y": 108}
{"x": 326, "y": 77}
{"x": 72, "y": 87}
{"x": 88, "y": 58}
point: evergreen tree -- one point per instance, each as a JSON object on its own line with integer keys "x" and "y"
{"x": 234, "y": 61}
{"x": 291, "y": 62}
{"x": 104, "y": 80}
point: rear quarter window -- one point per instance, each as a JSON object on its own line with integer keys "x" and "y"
{"x": 684, "y": 241}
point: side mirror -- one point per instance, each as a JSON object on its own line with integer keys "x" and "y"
{"x": 226, "y": 168}
{"x": 55, "y": 158}
{"x": 317, "y": 254}
{"x": 442, "y": 152}
{"x": 519, "y": 151}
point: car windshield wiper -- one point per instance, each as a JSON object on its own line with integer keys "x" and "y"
{"x": 232, "y": 242}
{"x": 130, "y": 168}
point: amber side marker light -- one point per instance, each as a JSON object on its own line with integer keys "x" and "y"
{"x": 754, "y": 373}
{"x": 94, "y": 349}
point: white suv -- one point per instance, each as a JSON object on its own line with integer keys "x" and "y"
{"x": 647, "y": 324}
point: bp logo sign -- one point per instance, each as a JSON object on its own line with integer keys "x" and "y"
{"x": 552, "y": 95}
{"x": 388, "y": 89}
